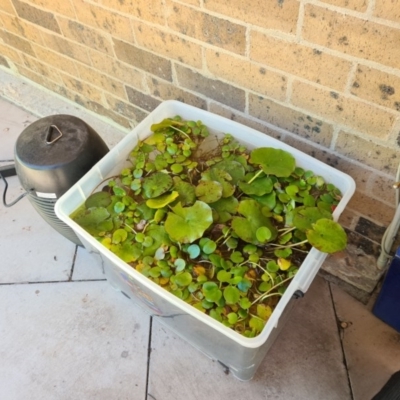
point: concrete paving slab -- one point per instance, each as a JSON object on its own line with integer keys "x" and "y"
{"x": 75, "y": 340}
{"x": 31, "y": 250}
{"x": 86, "y": 266}
{"x": 372, "y": 348}
{"x": 304, "y": 363}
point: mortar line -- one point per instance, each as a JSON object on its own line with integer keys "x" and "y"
{"x": 351, "y": 78}
{"x": 341, "y": 343}
{"x": 147, "y": 395}
{"x": 370, "y": 8}
{"x": 300, "y": 22}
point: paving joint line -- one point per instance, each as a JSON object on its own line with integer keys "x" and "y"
{"x": 341, "y": 336}
{"x": 73, "y": 264}
{"x": 42, "y": 282}
{"x": 148, "y": 395}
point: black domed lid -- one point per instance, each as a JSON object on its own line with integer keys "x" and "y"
{"x": 52, "y": 141}
{"x": 55, "y": 152}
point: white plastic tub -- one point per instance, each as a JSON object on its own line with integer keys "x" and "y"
{"x": 240, "y": 354}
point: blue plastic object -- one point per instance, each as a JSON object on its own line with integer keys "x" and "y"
{"x": 387, "y": 305}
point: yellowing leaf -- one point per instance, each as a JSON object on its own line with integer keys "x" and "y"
{"x": 199, "y": 270}
{"x": 284, "y": 264}
{"x": 162, "y": 201}
{"x": 106, "y": 242}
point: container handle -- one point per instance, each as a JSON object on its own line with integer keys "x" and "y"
{"x": 49, "y": 134}
{"x": 5, "y": 192}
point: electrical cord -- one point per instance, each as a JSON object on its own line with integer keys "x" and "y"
{"x": 5, "y": 192}
{"x": 391, "y": 230}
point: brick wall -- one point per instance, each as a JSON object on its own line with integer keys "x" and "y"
{"x": 323, "y": 76}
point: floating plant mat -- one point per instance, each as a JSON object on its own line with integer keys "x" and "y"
{"x": 220, "y": 226}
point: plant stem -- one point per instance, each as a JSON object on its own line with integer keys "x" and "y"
{"x": 130, "y": 228}
{"x": 255, "y": 176}
{"x": 265, "y": 271}
{"x": 145, "y": 227}
{"x": 280, "y": 246}
{"x": 220, "y": 238}
{"x": 177, "y": 129}
{"x": 105, "y": 179}
{"x": 269, "y": 294}
{"x": 226, "y": 239}
{"x": 256, "y": 316}
{"x": 266, "y": 296}
{"x": 286, "y": 230}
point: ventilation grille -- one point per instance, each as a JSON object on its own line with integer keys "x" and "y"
{"x": 45, "y": 207}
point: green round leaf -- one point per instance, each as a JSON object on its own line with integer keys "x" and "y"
{"x": 234, "y": 170}
{"x": 207, "y": 304}
{"x": 136, "y": 184}
{"x": 138, "y": 173}
{"x": 304, "y": 217}
{"x": 292, "y": 190}
{"x": 246, "y": 228}
{"x": 237, "y": 257}
{"x": 178, "y": 293}
{"x": 180, "y": 264}
{"x": 160, "y": 253}
{"x": 231, "y": 295}
{"x": 91, "y": 218}
{"x": 187, "y": 194}
{"x": 256, "y": 324}
{"x": 98, "y": 199}
{"x": 140, "y": 237}
{"x": 272, "y": 266}
{"x": 119, "y": 236}
{"x": 224, "y": 276}
{"x": 309, "y": 201}
{"x": 244, "y": 285}
{"x": 327, "y": 236}
{"x": 259, "y": 187}
{"x": 283, "y": 253}
{"x": 250, "y": 248}
{"x": 119, "y": 206}
{"x": 232, "y": 243}
{"x": 185, "y": 225}
{"x": 193, "y": 287}
{"x": 176, "y": 168}
{"x": 263, "y": 234}
{"x": 211, "y": 291}
{"x": 232, "y": 318}
{"x": 274, "y": 161}
{"x": 183, "y": 279}
{"x": 148, "y": 241}
{"x": 228, "y": 204}
{"x": 264, "y": 286}
{"x": 155, "y": 272}
{"x": 208, "y": 191}
{"x": 221, "y": 176}
{"x": 128, "y": 251}
{"x": 209, "y": 246}
{"x": 156, "y": 184}
{"x": 254, "y": 258}
{"x": 193, "y": 251}
{"x": 119, "y": 191}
